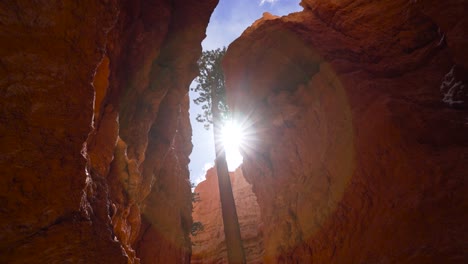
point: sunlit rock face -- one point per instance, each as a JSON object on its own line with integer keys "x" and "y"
{"x": 94, "y": 129}
{"x": 358, "y": 111}
{"x": 208, "y": 244}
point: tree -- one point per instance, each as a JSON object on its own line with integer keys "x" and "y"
{"x": 213, "y": 101}
{"x": 197, "y": 227}
{"x": 211, "y": 85}
{"x": 195, "y": 195}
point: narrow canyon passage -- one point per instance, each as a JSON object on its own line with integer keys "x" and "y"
{"x": 208, "y": 244}
{"x": 358, "y": 111}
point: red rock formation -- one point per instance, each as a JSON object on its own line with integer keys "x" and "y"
{"x": 209, "y": 245}
{"x": 94, "y": 129}
{"x": 358, "y": 109}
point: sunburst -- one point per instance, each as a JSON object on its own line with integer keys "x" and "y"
{"x": 233, "y": 137}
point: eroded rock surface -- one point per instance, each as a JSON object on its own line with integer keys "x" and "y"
{"x": 209, "y": 245}
{"x": 358, "y": 111}
{"x": 94, "y": 129}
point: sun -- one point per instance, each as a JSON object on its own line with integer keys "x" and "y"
{"x": 232, "y": 138}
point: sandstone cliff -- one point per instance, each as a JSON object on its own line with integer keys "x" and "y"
{"x": 208, "y": 244}
{"x": 94, "y": 129}
{"x": 358, "y": 111}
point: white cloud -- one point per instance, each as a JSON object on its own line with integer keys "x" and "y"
{"x": 268, "y": 1}
{"x": 202, "y": 176}
{"x": 207, "y": 166}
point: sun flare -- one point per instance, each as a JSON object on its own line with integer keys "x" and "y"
{"x": 232, "y": 139}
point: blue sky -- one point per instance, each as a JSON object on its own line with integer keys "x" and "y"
{"x": 229, "y": 20}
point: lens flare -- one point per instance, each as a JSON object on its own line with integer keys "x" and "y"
{"x": 232, "y": 139}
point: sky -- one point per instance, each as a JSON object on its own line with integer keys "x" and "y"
{"x": 228, "y": 21}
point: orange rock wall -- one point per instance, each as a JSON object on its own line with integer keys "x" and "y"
{"x": 358, "y": 111}
{"x": 94, "y": 129}
{"x": 209, "y": 245}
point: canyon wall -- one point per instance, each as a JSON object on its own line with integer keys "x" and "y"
{"x": 357, "y": 112}
{"x": 94, "y": 129}
{"x": 208, "y": 244}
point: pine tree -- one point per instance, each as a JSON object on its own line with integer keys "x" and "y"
{"x": 210, "y": 84}
{"x": 213, "y": 101}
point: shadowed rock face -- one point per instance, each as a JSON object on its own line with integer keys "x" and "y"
{"x": 94, "y": 129}
{"x": 358, "y": 109}
{"x": 209, "y": 245}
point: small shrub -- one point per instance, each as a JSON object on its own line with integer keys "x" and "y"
{"x": 196, "y": 228}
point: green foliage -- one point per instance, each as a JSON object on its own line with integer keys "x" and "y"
{"x": 196, "y": 228}
{"x": 210, "y": 77}
{"x": 195, "y": 195}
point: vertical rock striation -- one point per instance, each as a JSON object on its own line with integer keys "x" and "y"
{"x": 359, "y": 123}
{"x": 209, "y": 244}
{"x": 94, "y": 129}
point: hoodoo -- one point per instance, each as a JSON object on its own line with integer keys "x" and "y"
{"x": 209, "y": 244}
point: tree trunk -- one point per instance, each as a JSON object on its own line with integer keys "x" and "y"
{"x": 228, "y": 206}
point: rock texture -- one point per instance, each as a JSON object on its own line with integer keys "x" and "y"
{"x": 94, "y": 129}
{"x": 209, "y": 245}
{"x": 357, "y": 112}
